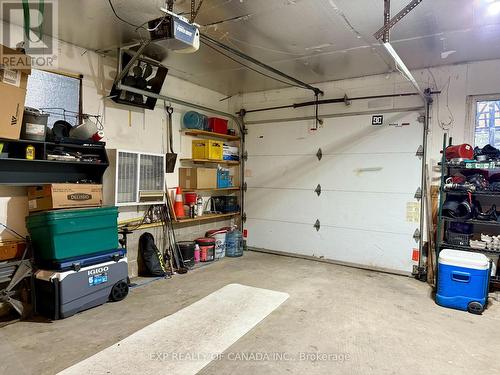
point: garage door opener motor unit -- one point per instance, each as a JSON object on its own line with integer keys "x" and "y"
{"x": 174, "y": 33}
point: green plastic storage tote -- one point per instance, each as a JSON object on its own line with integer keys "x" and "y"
{"x": 58, "y": 235}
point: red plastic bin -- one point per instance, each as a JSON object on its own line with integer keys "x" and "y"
{"x": 217, "y": 125}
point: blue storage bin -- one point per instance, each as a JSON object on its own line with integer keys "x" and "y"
{"x": 463, "y": 279}
{"x": 195, "y": 120}
{"x": 223, "y": 179}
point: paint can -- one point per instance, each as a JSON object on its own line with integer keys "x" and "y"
{"x": 219, "y": 235}
{"x": 207, "y": 249}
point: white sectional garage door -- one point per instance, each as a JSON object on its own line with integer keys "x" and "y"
{"x": 368, "y": 175}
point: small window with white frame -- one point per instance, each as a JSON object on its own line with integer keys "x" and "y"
{"x": 485, "y": 113}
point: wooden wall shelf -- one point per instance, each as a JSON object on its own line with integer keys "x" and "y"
{"x": 219, "y": 189}
{"x": 203, "y": 133}
{"x": 206, "y": 217}
{"x": 201, "y": 161}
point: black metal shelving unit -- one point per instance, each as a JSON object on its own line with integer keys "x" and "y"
{"x": 448, "y": 169}
{"x": 17, "y": 170}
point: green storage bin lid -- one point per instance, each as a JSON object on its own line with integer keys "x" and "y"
{"x": 41, "y": 218}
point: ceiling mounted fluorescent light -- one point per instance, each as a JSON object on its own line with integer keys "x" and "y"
{"x": 494, "y": 8}
{"x": 406, "y": 72}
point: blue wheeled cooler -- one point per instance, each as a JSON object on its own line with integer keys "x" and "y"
{"x": 62, "y": 294}
{"x": 463, "y": 280}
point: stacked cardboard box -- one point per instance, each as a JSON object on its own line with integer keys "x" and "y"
{"x": 198, "y": 178}
{"x": 15, "y": 67}
{"x": 11, "y": 249}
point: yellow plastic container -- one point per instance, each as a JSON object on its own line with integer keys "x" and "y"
{"x": 207, "y": 149}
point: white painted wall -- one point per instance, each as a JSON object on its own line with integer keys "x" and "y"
{"x": 143, "y": 133}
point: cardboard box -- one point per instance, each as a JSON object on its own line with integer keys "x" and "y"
{"x": 198, "y": 178}
{"x": 15, "y": 68}
{"x": 11, "y": 249}
{"x": 55, "y": 196}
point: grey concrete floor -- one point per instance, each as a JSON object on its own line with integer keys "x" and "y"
{"x": 362, "y": 322}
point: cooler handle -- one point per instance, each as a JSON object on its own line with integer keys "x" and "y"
{"x": 461, "y": 277}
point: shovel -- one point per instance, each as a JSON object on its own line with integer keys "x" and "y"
{"x": 171, "y": 156}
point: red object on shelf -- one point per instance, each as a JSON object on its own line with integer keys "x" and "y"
{"x": 217, "y": 125}
{"x": 463, "y": 151}
{"x": 207, "y": 249}
{"x": 190, "y": 198}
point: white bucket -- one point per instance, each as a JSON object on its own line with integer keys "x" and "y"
{"x": 494, "y": 260}
{"x": 220, "y": 244}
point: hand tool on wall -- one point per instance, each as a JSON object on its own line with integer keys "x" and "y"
{"x": 171, "y": 156}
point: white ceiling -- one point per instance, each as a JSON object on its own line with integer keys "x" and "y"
{"x": 312, "y": 40}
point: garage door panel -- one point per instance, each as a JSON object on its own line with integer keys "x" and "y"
{"x": 286, "y": 205}
{"x": 356, "y": 135}
{"x": 380, "y": 212}
{"x": 291, "y": 138}
{"x": 368, "y": 211}
{"x": 340, "y": 172}
{"x": 336, "y": 136}
{"x": 371, "y": 173}
{"x": 371, "y": 249}
{"x": 368, "y": 175}
{"x": 283, "y": 236}
{"x": 294, "y": 172}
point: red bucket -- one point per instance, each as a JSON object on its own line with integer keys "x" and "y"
{"x": 190, "y": 198}
{"x": 207, "y": 249}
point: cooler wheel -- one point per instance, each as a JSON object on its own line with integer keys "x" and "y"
{"x": 119, "y": 291}
{"x": 475, "y": 308}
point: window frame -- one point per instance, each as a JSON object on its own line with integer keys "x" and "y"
{"x": 76, "y": 76}
{"x": 472, "y": 100}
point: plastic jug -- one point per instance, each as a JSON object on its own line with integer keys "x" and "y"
{"x": 234, "y": 243}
